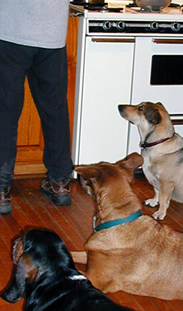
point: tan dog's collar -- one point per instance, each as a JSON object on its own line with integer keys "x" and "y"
{"x": 145, "y": 144}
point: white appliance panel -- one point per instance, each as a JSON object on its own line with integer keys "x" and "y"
{"x": 106, "y": 82}
{"x": 142, "y": 90}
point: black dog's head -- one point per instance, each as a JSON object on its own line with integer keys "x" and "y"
{"x": 39, "y": 256}
{"x": 45, "y": 274}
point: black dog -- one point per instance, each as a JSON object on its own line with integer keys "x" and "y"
{"x": 45, "y": 274}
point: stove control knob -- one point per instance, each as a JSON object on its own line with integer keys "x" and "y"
{"x": 154, "y": 26}
{"x": 107, "y": 25}
{"x": 175, "y": 26}
{"x": 120, "y": 25}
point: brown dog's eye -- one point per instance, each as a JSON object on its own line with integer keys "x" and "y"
{"x": 140, "y": 108}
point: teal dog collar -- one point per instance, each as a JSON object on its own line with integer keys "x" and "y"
{"x": 117, "y": 222}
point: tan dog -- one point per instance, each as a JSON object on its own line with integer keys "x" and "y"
{"x": 139, "y": 256}
{"x": 161, "y": 150}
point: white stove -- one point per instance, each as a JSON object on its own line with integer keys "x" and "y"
{"x": 124, "y": 57}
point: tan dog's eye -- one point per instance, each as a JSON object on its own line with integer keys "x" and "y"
{"x": 140, "y": 108}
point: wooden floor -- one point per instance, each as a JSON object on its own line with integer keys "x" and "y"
{"x": 74, "y": 224}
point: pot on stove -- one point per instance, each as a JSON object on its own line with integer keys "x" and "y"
{"x": 153, "y": 5}
{"x": 88, "y": 1}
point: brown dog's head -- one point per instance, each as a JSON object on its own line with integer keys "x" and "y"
{"x": 109, "y": 184}
{"x": 150, "y": 118}
{"x": 39, "y": 255}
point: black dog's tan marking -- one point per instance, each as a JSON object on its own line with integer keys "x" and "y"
{"x": 46, "y": 276}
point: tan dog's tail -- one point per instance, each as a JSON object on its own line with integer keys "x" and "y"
{"x": 79, "y": 257}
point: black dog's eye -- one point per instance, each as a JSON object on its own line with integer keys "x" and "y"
{"x": 140, "y": 108}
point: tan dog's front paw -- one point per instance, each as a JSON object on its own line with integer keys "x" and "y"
{"x": 151, "y": 202}
{"x": 159, "y": 215}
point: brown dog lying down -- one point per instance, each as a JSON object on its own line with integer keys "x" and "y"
{"x": 162, "y": 151}
{"x": 139, "y": 256}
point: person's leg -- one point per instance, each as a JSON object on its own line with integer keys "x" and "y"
{"x": 48, "y": 83}
{"x": 12, "y": 76}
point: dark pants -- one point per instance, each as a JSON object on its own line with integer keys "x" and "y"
{"x": 46, "y": 70}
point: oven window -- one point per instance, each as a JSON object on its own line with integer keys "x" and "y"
{"x": 167, "y": 70}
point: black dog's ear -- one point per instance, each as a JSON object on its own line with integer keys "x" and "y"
{"x": 24, "y": 271}
{"x": 17, "y": 250}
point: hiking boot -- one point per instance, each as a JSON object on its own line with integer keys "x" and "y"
{"x": 5, "y": 201}
{"x": 58, "y": 192}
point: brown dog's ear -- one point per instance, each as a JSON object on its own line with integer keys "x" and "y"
{"x": 132, "y": 161}
{"x": 87, "y": 171}
{"x": 135, "y": 160}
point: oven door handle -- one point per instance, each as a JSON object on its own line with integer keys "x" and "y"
{"x": 168, "y": 41}
{"x": 177, "y": 119}
{"x": 113, "y": 40}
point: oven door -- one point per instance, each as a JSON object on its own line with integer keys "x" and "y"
{"x": 158, "y": 76}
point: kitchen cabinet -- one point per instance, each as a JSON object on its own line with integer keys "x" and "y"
{"x": 104, "y": 78}
{"x": 30, "y": 141}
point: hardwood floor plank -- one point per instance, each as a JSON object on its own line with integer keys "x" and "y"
{"x": 146, "y": 303}
{"x": 162, "y": 304}
{"x": 125, "y": 299}
{"x": 175, "y": 305}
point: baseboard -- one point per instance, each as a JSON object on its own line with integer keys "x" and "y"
{"x": 29, "y": 169}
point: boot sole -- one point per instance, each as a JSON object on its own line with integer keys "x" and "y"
{"x": 64, "y": 199}
{"x": 5, "y": 208}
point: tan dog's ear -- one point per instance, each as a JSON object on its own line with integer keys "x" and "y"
{"x": 152, "y": 114}
{"x": 87, "y": 171}
{"x": 158, "y": 103}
